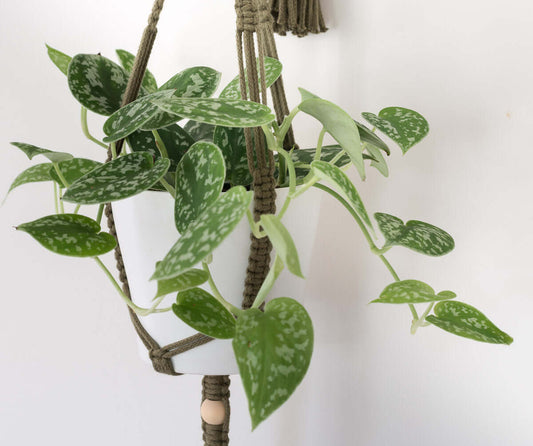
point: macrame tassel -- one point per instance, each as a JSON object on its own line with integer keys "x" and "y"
{"x": 300, "y": 17}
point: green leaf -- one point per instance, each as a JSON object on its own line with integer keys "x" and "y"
{"x": 369, "y": 137}
{"x": 273, "y": 350}
{"x": 31, "y": 151}
{"x": 466, "y": 321}
{"x": 282, "y": 242}
{"x": 187, "y": 280}
{"x": 127, "y": 60}
{"x": 379, "y": 161}
{"x": 200, "y": 310}
{"x": 177, "y": 141}
{"x": 199, "y": 180}
{"x": 200, "y": 131}
{"x": 232, "y": 143}
{"x": 60, "y": 60}
{"x": 208, "y": 232}
{"x": 411, "y": 292}
{"x": 34, "y": 174}
{"x": 340, "y": 125}
{"x": 273, "y": 69}
{"x": 416, "y": 235}
{"x": 97, "y": 83}
{"x": 306, "y": 94}
{"x": 342, "y": 184}
{"x": 405, "y": 127}
{"x": 70, "y": 235}
{"x": 224, "y": 112}
{"x": 73, "y": 169}
{"x": 195, "y": 82}
{"x": 121, "y": 178}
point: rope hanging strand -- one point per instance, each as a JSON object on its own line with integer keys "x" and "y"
{"x": 300, "y": 17}
{"x": 216, "y": 388}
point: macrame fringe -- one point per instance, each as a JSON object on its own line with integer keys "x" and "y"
{"x": 300, "y": 17}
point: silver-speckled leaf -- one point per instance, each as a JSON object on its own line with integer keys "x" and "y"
{"x": 73, "y": 169}
{"x": 379, "y": 161}
{"x": 369, "y": 137}
{"x": 208, "y": 232}
{"x": 416, "y": 235}
{"x": 340, "y": 125}
{"x": 97, "y": 83}
{"x": 233, "y": 146}
{"x": 224, "y": 112}
{"x": 200, "y": 310}
{"x": 199, "y": 180}
{"x": 282, "y": 242}
{"x": 121, "y": 178}
{"x": 273, "y": 69}
{"x": 132, "y": 116}
{"x": 187, "y": 280}
{"x": 31, "y": 151}
{"x": 342, "y": 184}
{"x": 273, "y": 350}
{"x": 200, "y": 131}
{"x": 405, "y": 127}
{"x": 411, "y": 292}
{"x": 60, "y": 60}
{"x": 464, "y": 320}
{"x": 70, "y": 235}
{"x": 34, "y": 174}
{"x": 194, "y": 82}
{"x": 127, "y": 60}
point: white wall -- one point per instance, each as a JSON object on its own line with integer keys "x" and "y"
{"x": 68, "y": 360}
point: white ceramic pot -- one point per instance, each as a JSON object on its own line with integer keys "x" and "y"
{"x": 146, "y": 232}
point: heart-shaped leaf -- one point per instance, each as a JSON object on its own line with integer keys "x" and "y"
{"x": 405, "y": 127}
{"x": 273, "y": 69}
{"x": 127, "y": 60}
{"x": 60, "y": 60}
{"x": 232, "y": 143}
{"x": 466, "y": 321}
{"x": 224, "y": 112}
{"x": 97, "y": 83}
{"x": 208, "y": 232}
{"x": 121, "y": 178}
{"x": 70, "y": 235}
{"x": 282, "y": 241}
{"x": 379, "y": 161}
{"x": 73, "y": 169}
{"x": 200, "y": 131}
{"x": 31, "y": 151}
{"x": 200, "y": 310}
{"x": 338, "y": 124}
{"x": 34, "y": 174}
{"x": 416, "y": 235}
{"x": 187, "y": 280}
{"x": 273, "y": 350}
{"x": 370, "y": 138}
{"x": 342, "y": 184}
{"x": 411, "y": 292}
{"x": 194, "y": 82}
{"x": 199, "y": 180}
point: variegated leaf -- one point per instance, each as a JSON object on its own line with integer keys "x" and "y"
{"x": 273, "y": 69}
{"x": 416, "y": 235}
{"x": 194, "y": 82}
{"x": 121, "y": 178}
{"x": 369, "y": 137}
{"x": 411, "y": 292}
{"x": 200, "y": 310}
{"x": 187, "y": 280}
{"x": 127, "y": 60}
{"x": 199, "y": 180}
{"x": 60, "y": 60}
{"x": 233, "y": 146}
{"x": 70, "y": 235}
{"x": 97, "y": 83}
{"x": 339, "y": 125}
{"x": 379, "y": 161}
{"x": 73, "y": 169}
{"x": 342, "y": 184}
{"x": 208, "y": 232}
{"x": 200, "y": 131}
{"x": 405, "y": 127}
{"x": 224, "y": 112}
{"x": 30, "y": 150}
{"x": 273, "y": 351}
{"x": 464, "y": 320}
{"x": 282, "y": 242}
{"x": 34, "y": 174}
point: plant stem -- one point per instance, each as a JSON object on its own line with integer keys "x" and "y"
{"x": 60, "y": 174}
{"x": 61, "y": 204}
{"x": 168, "y": 187}
{"x": 216, "y": 293}
{"x": 337, "y": 157}
{"x": 286, "y": 124}
{"x": 113, "y": 150}
{"x": 85, "y": 129}
{"x": 76, "y": 209}
{"x": 99, "y": 214}
{"x": 160, "y": 144}
{"x": 56, "y": 206}
{"x": 421, "y": 322}
{"x": 318, "y": 152}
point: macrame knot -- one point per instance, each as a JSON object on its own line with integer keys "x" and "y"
{"x": 160, "y": 363}
{"x": 264, "y": 14}
{"x": 264, "y": 191}
{"x": 216, "y": 388}
{"x": 246, "y": 16}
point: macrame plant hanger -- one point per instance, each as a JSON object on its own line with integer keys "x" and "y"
{"x": 259, "y": 19}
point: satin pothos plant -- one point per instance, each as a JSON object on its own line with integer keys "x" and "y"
{"x": 202, "y": 165}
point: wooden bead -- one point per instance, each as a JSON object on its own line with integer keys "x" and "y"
{"x": 213, "y": 412}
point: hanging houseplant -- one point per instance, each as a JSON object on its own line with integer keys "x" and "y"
{"x": 190, "y": 169}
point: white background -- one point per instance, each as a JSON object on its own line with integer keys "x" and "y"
{"x": 69, "y": 368}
